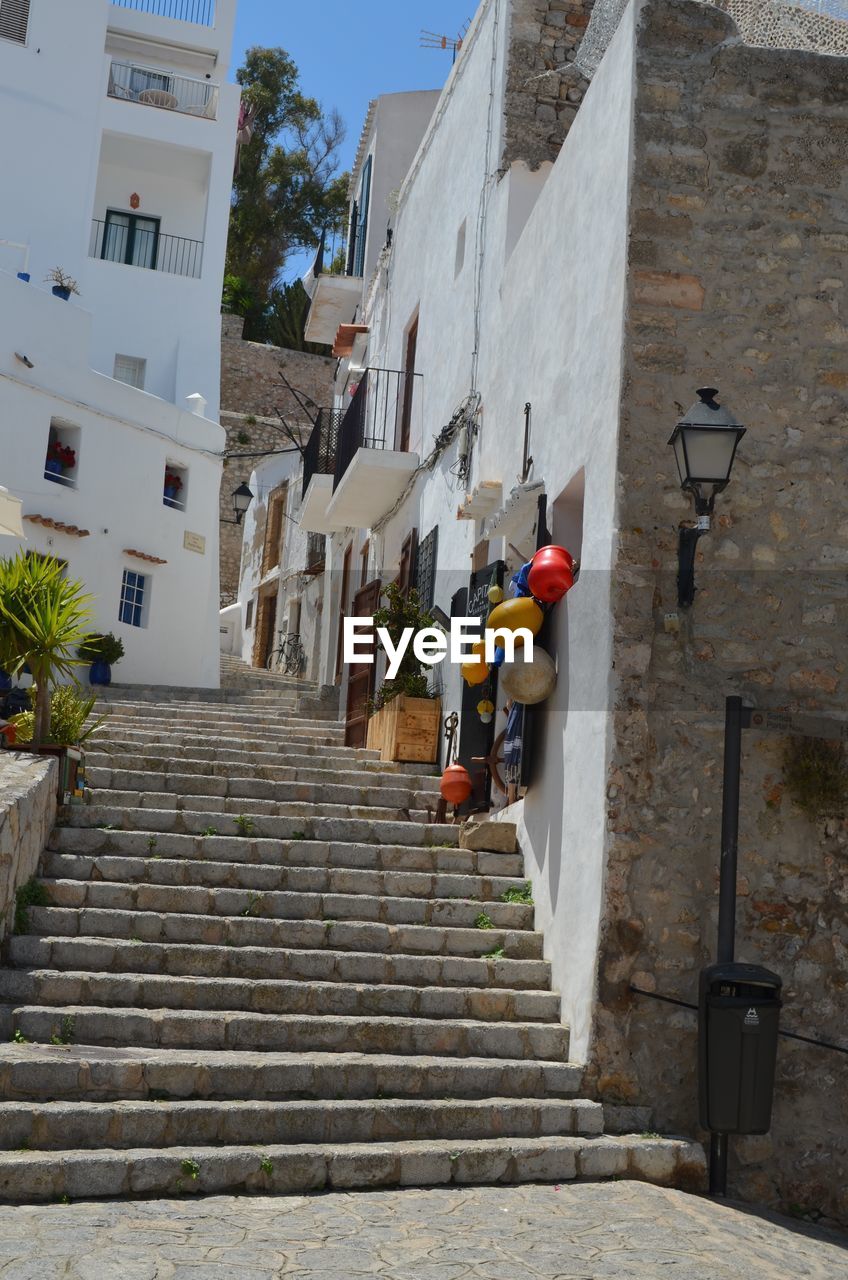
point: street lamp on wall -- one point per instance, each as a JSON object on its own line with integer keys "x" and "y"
{"x": 704, "y": 442}
{"x": 242, "y": 498}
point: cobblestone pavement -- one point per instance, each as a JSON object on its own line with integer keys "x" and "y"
{"x": 588, "y": 1231}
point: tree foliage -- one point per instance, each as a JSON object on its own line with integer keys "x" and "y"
{"x": 287, "y": 188}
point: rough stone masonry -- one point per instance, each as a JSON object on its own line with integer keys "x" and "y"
{"x": 738, "y": 242}
{"x": 252, "y": 397}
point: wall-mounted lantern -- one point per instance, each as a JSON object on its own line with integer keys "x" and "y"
{"x": 242, "y": 498}
{"x": 704, "y": 442}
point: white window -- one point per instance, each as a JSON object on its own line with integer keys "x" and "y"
{"x": 134, "y": 599}
{"x": 175, "y": 489}
{"x": 130, "y": 369}
{"x": 14, "y": 17}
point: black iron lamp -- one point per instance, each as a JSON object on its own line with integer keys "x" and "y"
{"x": 705, "y": 441}
{"x": 242, "y": 498}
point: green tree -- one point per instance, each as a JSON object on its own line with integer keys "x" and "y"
{"x": 43, "y": 617}
{"x": 287, "y": 188}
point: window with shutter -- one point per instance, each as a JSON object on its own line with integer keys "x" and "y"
{"x": 425, "y": 569}
{"x": 362, "y": 228}
{"x": 14, "y": 17}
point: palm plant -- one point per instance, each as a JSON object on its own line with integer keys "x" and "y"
{"x": 43, "y": 617}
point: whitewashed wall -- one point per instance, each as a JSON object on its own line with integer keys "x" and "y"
{"x": 127, "y": 436}
{"x": 54, "y": 114}
{"x": 551, "y": 296}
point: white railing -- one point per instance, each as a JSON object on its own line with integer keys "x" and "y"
{"x": 200, "y": 12}
{"x": 153, "y": 87}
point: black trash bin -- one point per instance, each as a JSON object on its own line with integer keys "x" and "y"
{"x": 738, "y": 1015}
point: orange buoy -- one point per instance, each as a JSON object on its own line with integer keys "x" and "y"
{"x": 456, "y": 785}
{"x": 551, "y": 574}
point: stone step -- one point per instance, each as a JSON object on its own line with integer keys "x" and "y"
{"x": 292, "y": 1033}
{"x": 130, "y": 990}
{"x": 197, "y": 960}
{"x": 191, "y": 822}
{"x": 221, "y": 762}
{"x": 203, "y": 747}
{"x": 48, "y": 1073}
{"x": 214, "y": 901}
{"x": 259, "y": 931}
{"x": 37, "y": 1176}
{"x": 81, "y": 1126}
{"x": 228, "y": 807}
{"x": 376, "y": 793}
{"x": 292, "y": 852}
{"x": 328, "y": 883}
{"x": 270, "y": 728}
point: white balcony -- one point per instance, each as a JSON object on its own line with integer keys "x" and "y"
{"x": 369, "y": 488}
{"x": 198, "y": 12}
{"x": 334, "y": 303}
{"x": 313, "y": 510}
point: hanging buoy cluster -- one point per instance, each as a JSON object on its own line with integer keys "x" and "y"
{"x": 537, "y": 586}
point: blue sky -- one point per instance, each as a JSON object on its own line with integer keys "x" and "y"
{"x": 348, "y": 53}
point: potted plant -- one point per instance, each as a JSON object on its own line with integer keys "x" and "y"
{"x": 173, "y": 484}
{"x": 63, "y": 284}
{"x": 407, "y": 715}
{"x": 101, "y": 651}
{"x": 60, "y": 458}
{"x": 43, "y": 618}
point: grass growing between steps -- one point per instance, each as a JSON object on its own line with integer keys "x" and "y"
{"x": 31, "y": 894}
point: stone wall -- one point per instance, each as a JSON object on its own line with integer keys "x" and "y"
{"x": 543, "y": 92}
{"x": 252, "y": 397}
{"x": 738, "y": 239}
{"x": 27, "y": 814}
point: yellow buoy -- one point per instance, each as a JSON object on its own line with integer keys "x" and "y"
{"x": 522, "y": 612}
{"x": 475, "y": 670}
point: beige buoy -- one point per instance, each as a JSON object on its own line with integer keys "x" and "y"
{"x": 529, "y": 682}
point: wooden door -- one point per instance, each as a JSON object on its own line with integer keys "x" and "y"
{"x": 360, "y": 678}
{"x": 266, "y": 622}
{"x": 343, "y": 607}
{"x": 408, "y": 388}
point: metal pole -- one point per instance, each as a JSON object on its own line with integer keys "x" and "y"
{"x": 733, "y": 718}
{"x": 736, "y": 717}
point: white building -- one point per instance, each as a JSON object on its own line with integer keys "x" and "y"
{"x": 117, "y": 144}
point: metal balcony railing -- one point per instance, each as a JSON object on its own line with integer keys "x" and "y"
{"x": 319, "y": 456}
{"x": 200, "y": 12}
{"x": 379, "y": 415}
{"x": 136, "y": 246}
{"x": 153, "y": 87}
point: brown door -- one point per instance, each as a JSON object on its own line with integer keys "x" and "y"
{"x": 408, "y": 388}
{"x": 266, "y": 621}
{"x": 360, "y": 680}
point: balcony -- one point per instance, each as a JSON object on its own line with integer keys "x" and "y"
{"x": 152, "y": 87}
{"x": 373, "y": 460}
{"x": 199, "y": 12}
{"x": 334, "y": 303}
{"x": 319, "y": 465}
{"x": 137, "y": 242}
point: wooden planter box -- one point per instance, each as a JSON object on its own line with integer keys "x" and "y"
{"x": 407, "y": 729}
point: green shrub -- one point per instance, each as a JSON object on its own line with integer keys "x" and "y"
{"x": 69, "y": 711}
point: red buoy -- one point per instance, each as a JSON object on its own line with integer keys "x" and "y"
{"x": 551, "y": 574}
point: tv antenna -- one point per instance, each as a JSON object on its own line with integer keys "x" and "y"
{"x": 433, "y": 40}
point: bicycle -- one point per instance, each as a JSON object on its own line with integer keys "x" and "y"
{"x": 289, "y": 659}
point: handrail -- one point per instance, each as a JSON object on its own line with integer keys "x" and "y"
{"x": 145, "y": 248}
{"x": 157, "y": 87}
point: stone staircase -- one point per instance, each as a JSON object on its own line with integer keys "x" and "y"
{"x": 261, "y": 967}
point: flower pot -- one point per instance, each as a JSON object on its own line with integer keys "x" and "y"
{"x": 406, "y": 729}
{"x": 100, "y": 673}
{"x": 59, "y": 292}
{"x": 170, "y": 492}
{"x": 24, "y": 275}
{"x": 5, "y": 681}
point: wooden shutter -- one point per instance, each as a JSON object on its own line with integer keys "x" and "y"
{"x": 362, "y": 228}
{"x": 14, "y": 18}
{"x": 425, "y": 569}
